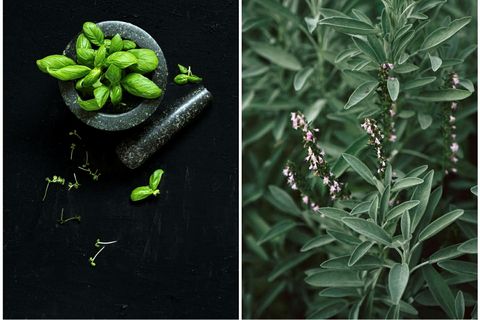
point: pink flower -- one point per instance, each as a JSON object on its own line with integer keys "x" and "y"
{"x": 305, "y": 199}
{"x": 452, "y": 119}
{"x": 392, "y": 138}
{"x": 309, "y": 136}
{"x": 326, "y": 180}
{"x": 454, "y": 147}
{"x": 454, "y": 105}
{"x": 455, "y": 79}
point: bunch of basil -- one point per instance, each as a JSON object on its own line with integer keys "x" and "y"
{"x": 115, "y": 65}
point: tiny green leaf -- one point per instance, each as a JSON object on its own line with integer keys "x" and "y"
{"x": 129, "y": 44}
{"x": 101, "y": 95}
{"x": 141, "y": 86}
{"x": 116, "y": 94}
{"x": 436, "y": 62}
{"x": 181, "y": 79}
{"x": 194, "y": 79}
{"x": 93, "y": 33}
{"x": 425, "y": 120}
{"x": 116, "y": 44}
{"x": 182, "y": 69}
{"x": 141, "y": 193}
{"x": 155, "y": 178}
{"x": 54, "y": 62}
{"x": 362, "y": 92}
{"x": 397, "y": 281}
{"x": 301, "y": 78}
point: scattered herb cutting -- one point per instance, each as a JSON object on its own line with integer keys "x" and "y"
{"x": 104, "y": 68}
{"x": 101, "y": 245}
{"x": 143, "y": 192}
{"x": 63, "y": 221}
{"x": 186, "y": 76}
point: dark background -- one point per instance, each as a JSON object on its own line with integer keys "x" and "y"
{"x": 177, "y": 255}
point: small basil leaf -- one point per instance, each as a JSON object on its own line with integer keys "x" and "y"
{"x": 116, "y": 44}
{"x": 141, "y": 86}
{"x": 140, "y": 193}
{"x": 121, "y": 59}
{"x": 93, "y": 33}
{"x": 101, "y": 95}
{"x": 113, "y": 74}
{"x": 100, "y": 56}
{"x": 155, "y": 179}
{"x": 86, "y": 56}
{"x": 129, "y": 44}
{"x": 194, "y": 79}
{"x": 82, "y": 42}
{"x": 146, "y": 60}
{"x": 92, "y": 77}
{"x": 69, "y": 72}
{"x": 182, "y": 69}
{"x": 116, "y": 94}
{"x": 55, "y": 61}
{"x": 88, "y": 105}
{"x": 181, "y": 79}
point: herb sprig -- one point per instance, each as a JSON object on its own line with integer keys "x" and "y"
{"x": 186, "y": 76}
{"x": 143, "y": 192}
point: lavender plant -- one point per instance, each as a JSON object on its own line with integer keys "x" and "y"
{"x": 366, "y": 107}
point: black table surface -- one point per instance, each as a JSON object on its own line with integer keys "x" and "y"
{"x": 176, "y": 255}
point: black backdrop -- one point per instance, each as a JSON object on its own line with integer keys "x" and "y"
{"x": 177, "y": 255}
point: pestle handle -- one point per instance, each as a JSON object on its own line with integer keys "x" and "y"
{"x": 134, "y": 151}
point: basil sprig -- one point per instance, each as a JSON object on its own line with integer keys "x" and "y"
{"x": 104, "y": 68}
{"x": 143, "y": 192}
{"x": 186, "y": 76}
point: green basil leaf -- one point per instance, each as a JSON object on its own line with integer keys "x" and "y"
{"x": 369, "y": 230}
{"x": 348, "y": 25}
{"x": 101, "y": 95}
{"x": 362, "y": 92}
{"x": 82, "y": 42}
{"x": 107, "y": 43}
{"x": 194, "y": 79}
{"x": 86, "y": 56}
{"x": 116, "y": 44}
{"x": 397, "y": 281}
{"x": 93, "y": 33}
{"x": 439, "y": 224}
{"x": 140, "y": 193}
{"x": 141, "y": 86}
{"x": 181, "y": 79}
{"x": 88, "y": 105}
{"x": 116, "y": 94}
{"x": 129, "y": 44}
{"x": 147, "y": 60}
{"x": 182, "y": 69}
{"x": 121, "y": 59}
{"x": 444, "y": 95}
{"x": 100, "y": 56}
{"x": 113, "y": 74}
{"x": 54, "y": 62}
{"x": 393, "y": 87}
{"x": 69, "y": 72}
{"x": 92, "y": 77}
{"x": 155, "y": 178}
{"x": 441, "y": 35}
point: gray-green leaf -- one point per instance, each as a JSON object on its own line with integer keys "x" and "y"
{"x": 360, "y": 168}
{"x": 278, "y": 229}
{"x": 440, "y": 290}
{"x": 348, "y": 25}
{"x": 444, "y": 95}
{"x": 441, "y": 35}
{"x": 277, "y": 56}
{"x": 401, "y": 208}
{"x": 405, "y": 183}
{"x": 359, "y": 252}
{"x": 369, "y": 230}
{"x": 317, "y": 242}
{"x": 362, "y": 92}
{"x": 334, "y": 278}
{"x": 439, "y": 224}
{"x": 393, "y": 87}
{"x": 301, "y": 78}
{"x": 397, "y": 281}
{"x": 436, "y": 62}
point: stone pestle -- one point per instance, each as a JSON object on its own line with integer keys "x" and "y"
{"x": 160, "y": 128}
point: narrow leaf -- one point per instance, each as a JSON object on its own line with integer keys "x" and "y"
{"x": 348, "y": 25}
{"x": 397, "y": 281}
{"x": 317, "y": 242}
{"x": 277, "y": 56}
{"x": 441, "y": 35}
{"x": 401, "y": 208}
{"x": 334, "y": 278}
{"x": 439, "y": 224}
{"x": 405, "y": 183}
{"x": 360, "y": 168}
{"x": 440, "y": 290}
{"x": 369, "y": 230}
{"x": 362, "y": 92}
{"x": 417, "y": 83}
{"x": 278, "y": 229}
{"x": 359, "y": 252}
{"x": 444, "y": 95}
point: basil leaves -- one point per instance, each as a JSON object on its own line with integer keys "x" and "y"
{"x": 186, "y": 76}
{"x": 104, "y": 68}
{"x": 143, "y": 192}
